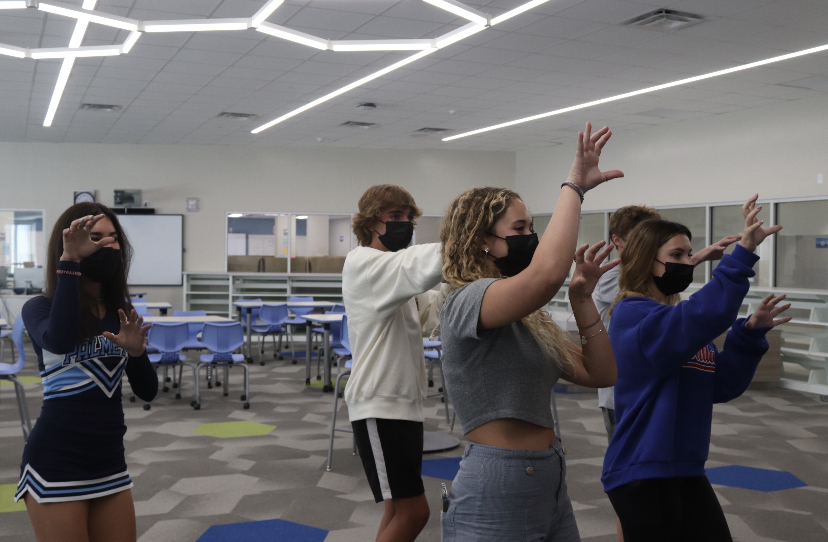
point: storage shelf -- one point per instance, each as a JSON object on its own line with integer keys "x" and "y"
{"x": 219, "y": 290}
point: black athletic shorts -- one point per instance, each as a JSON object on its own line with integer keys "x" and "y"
{"x": 392, "y": 455}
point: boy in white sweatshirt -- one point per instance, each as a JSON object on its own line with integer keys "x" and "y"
{"x": 387, "y": 386}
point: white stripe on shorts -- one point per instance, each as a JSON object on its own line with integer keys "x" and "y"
{"x": 379, "y": 459}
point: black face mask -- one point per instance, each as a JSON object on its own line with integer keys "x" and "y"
{"x": 676, "y": 278}
{"x": 519, "y": 256}
{"x": 397, "y": 235}
{"x": 101, "y": 266}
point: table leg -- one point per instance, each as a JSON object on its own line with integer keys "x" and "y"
{"x": 249, "y": 333}
{"x": 307, "y": 354}
{"x": 326, "y": 342}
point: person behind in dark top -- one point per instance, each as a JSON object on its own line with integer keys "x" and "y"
{"x": 670, "y": 374}
{"x": 86, "y": 335}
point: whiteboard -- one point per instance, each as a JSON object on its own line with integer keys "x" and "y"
{"x": 158, "y": 249}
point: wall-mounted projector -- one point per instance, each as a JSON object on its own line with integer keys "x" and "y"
{"x": 127, "y": 198}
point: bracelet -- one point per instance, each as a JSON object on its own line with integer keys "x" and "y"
{"x": 585, "y": 340}
{"x": 592, "y": 324}
{"x": 577, "y": 189}
{"x": 66, "y": 272}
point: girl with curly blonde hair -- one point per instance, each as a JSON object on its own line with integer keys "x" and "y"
{"x": 502, "y": 353}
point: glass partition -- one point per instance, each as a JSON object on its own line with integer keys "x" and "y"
{"x": 802, "y": 246}
{"x": 22, "y": 248}
{"x": 257, "y": 242}
{"x": 695, "y": 218}
{"x": 728, "y": 220}
{"x": 319, "y": 243}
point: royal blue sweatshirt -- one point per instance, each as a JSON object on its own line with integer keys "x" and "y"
{"x": 670, "y": 374}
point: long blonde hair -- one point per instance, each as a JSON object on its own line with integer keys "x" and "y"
{"x": 468, "y": 218}
{"x": 640, "y": 250}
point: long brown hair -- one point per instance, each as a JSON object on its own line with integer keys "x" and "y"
{"x": 114, "y": 293}
{"x": 468, "y": 218}
{"x": 638, "y": 255}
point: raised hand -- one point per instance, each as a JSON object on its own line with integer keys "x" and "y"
{"x": 132, "y": 333}
{"x": 715, "y": 251}
{"x": 588, "y": 269}
{"x": 77, "y": 244}
{"x": 585, "y": 172}
{"x": 754, "y": 234}
{"x": 767, "y": 312}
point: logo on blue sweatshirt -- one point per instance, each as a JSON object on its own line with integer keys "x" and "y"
{"x": 704, "y": 360}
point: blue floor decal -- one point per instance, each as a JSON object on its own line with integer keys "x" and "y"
{"x": 445, "y": 468}
{"x": 753, "y": 478}
{"x": 271, "y": 530}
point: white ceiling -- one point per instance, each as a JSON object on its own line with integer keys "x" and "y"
{"x": 562, "y": 53}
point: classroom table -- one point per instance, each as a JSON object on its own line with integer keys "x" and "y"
{"x": 150, "y": 305}
{"x": 248, "y": 307}
{"x": 325, "y": 320}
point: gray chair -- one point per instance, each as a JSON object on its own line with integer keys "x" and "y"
{"x": 344, "y": 351}
{"x": 8, "y": 371}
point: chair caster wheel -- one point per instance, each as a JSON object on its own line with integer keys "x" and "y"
{"x": 225, "y": 394}
{"x": 218, "y": 385}
{"x": 318, "y": 377}
{"x": 178, "y": 396}
{"x": 281, "y": 357}
{"x": 243, "y": 398}
{"x": 209, "y": 385}
{"x": 168, "y": 379}
{"x": 246, "y": 406}
{"x": 132, "y": 399}
{"x": 165, "y": 389}
{"x": 147, "y": 406}
{"x": 197, "y": 406}
{"x": 440, "y": 389}
{"x": 192, "y": 403}
{"x": 261, "y": 363}
{"x": 175, "y": 385}
{"x": 294, "y": 362}
{"x": 430, "y": 383}
{"x": 442, "y": 399}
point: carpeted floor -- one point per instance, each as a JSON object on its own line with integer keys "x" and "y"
{"x": 259, "y": 474}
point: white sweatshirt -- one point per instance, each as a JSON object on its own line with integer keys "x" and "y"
{"x": 388, "y": 378}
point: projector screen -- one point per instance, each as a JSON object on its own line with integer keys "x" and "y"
{"x": 158, "y": 249}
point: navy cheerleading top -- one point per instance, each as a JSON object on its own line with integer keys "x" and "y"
{"x": 76, "y": 447}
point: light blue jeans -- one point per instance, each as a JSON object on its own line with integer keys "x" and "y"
{"x": 502, "y": 495}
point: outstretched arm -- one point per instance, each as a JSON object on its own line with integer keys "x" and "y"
{"x": 512, "y": 299}
{"x": 594, "y": 360}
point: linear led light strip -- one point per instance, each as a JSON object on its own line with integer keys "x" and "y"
{"x": 647, "y": 90}
{"x": 443, "y": 41}
{"x": 344, "y": 89}
{"x": 66, "y": 68}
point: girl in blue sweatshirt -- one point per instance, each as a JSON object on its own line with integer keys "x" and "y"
{"x": 670, "y": 374}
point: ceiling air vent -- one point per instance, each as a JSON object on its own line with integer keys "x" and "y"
{"x": 355, "y": 124}
{"x": 100, "y": 107}
{"x": 428, "y": 130}
{"x": 665, "y": 20}
{"x": 237, "y": 116}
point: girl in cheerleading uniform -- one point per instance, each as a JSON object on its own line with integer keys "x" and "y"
{"x": 86, "y": 335}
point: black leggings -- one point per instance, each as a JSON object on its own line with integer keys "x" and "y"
{"x": 670, "y": 510}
